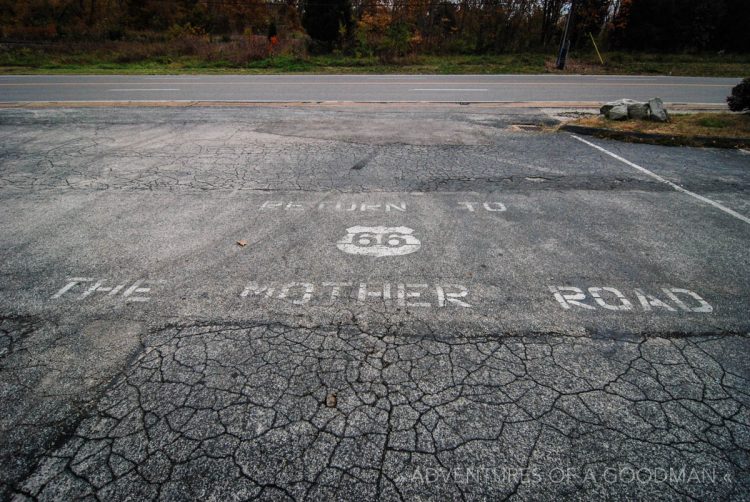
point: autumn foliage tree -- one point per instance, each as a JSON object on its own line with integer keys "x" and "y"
{"x": 396, "y": 27}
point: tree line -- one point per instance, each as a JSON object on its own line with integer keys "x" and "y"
{"x": 394, "y": 27}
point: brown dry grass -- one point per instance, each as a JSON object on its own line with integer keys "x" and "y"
{"x": 166, "y": 54}
{"x": 728, "y": 125}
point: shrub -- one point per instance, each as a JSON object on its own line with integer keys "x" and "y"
{"x": 187, "y": 30}
{"x": 740, "y": 98}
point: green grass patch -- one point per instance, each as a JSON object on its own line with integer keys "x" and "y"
{"x": 715, "y": 122}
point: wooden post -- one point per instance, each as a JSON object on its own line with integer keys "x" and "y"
{"x": 596, "y": 48}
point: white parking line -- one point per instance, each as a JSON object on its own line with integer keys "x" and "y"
{"x": 659, "y": 178}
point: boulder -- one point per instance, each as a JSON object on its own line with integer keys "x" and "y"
{"x": 638, "y": 111}
{"x": 619, "y": 112}
{"x": 658, "y": 112}
{"x": 623, "y": 109}
{"x": 607, "y": 107}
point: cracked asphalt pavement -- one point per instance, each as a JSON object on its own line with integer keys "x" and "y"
{"x": 367, "y": 302}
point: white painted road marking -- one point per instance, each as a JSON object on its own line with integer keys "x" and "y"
{"x": 612, "y": 299}
{"x": 71, "y": 282}
{"x": 327, "y": 293}
{"x": 663, "y": 180}
{"x": 338, "y": 206}
{"x": 136, "y": 287}
{"x": 397, "y": 206}
{"x": 488, "y": 206}
{"x": 451, "y": 90}
{"x": 131, "y": 90}
{"x": 379, "y": 241}
{"x": 423, "y": 295}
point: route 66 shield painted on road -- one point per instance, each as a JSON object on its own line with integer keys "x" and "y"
{"x": 379, "y": 241}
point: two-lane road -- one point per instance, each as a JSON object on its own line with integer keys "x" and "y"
{"x": 363, "y": 88}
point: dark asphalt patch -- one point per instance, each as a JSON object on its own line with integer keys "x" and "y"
{"x": 362, "y": 163}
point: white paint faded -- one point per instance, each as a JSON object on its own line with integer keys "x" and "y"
{"x": 98, "y": 287}
{"x": 73, "y": 281}
{"x": 367, "y": 206}
{"x": 649, "y": 302}
{"x": 336, "y": 288}
{"x": 493, "y": 207}
{"x": 622, "y": 302}
{"x": 335, "y": 292}
{"x": 408, "y": 291}
{"x": 452, "y": 297}
{"x": 613, "y": 299}
{"x": 281, "y": 205}
{"x": 379, "y": 241}
{"x": 307, "y": 291}
{"x": 573, "y": 297}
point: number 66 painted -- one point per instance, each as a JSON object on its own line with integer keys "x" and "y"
{"x": 379, "y": 241}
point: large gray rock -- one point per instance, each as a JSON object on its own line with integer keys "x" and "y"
{"x": 607, "y": 107}
{"x": 658, "y": 112}
{"x": 623, "y": 109}
{"x": 619, "y": 112}
{"x": 638, "y": 111}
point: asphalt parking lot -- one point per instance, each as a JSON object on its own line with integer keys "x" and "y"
{"x": 363, "y": 302}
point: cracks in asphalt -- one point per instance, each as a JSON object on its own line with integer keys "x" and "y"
{"x": 13, "y": 330}
{"x": 117, "y": 155}
{"x": 221, "y": 410}
{"x": 548, "y": 182}
{"x": 51, "y": 375}
{"x": 214, "y": 410}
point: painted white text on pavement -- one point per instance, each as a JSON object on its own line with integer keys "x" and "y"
{"x": 84, "y": 287}
{"x": 609, "y": 298}
{"x": 388, "y": 207}
{"x": 328, "y": 293}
